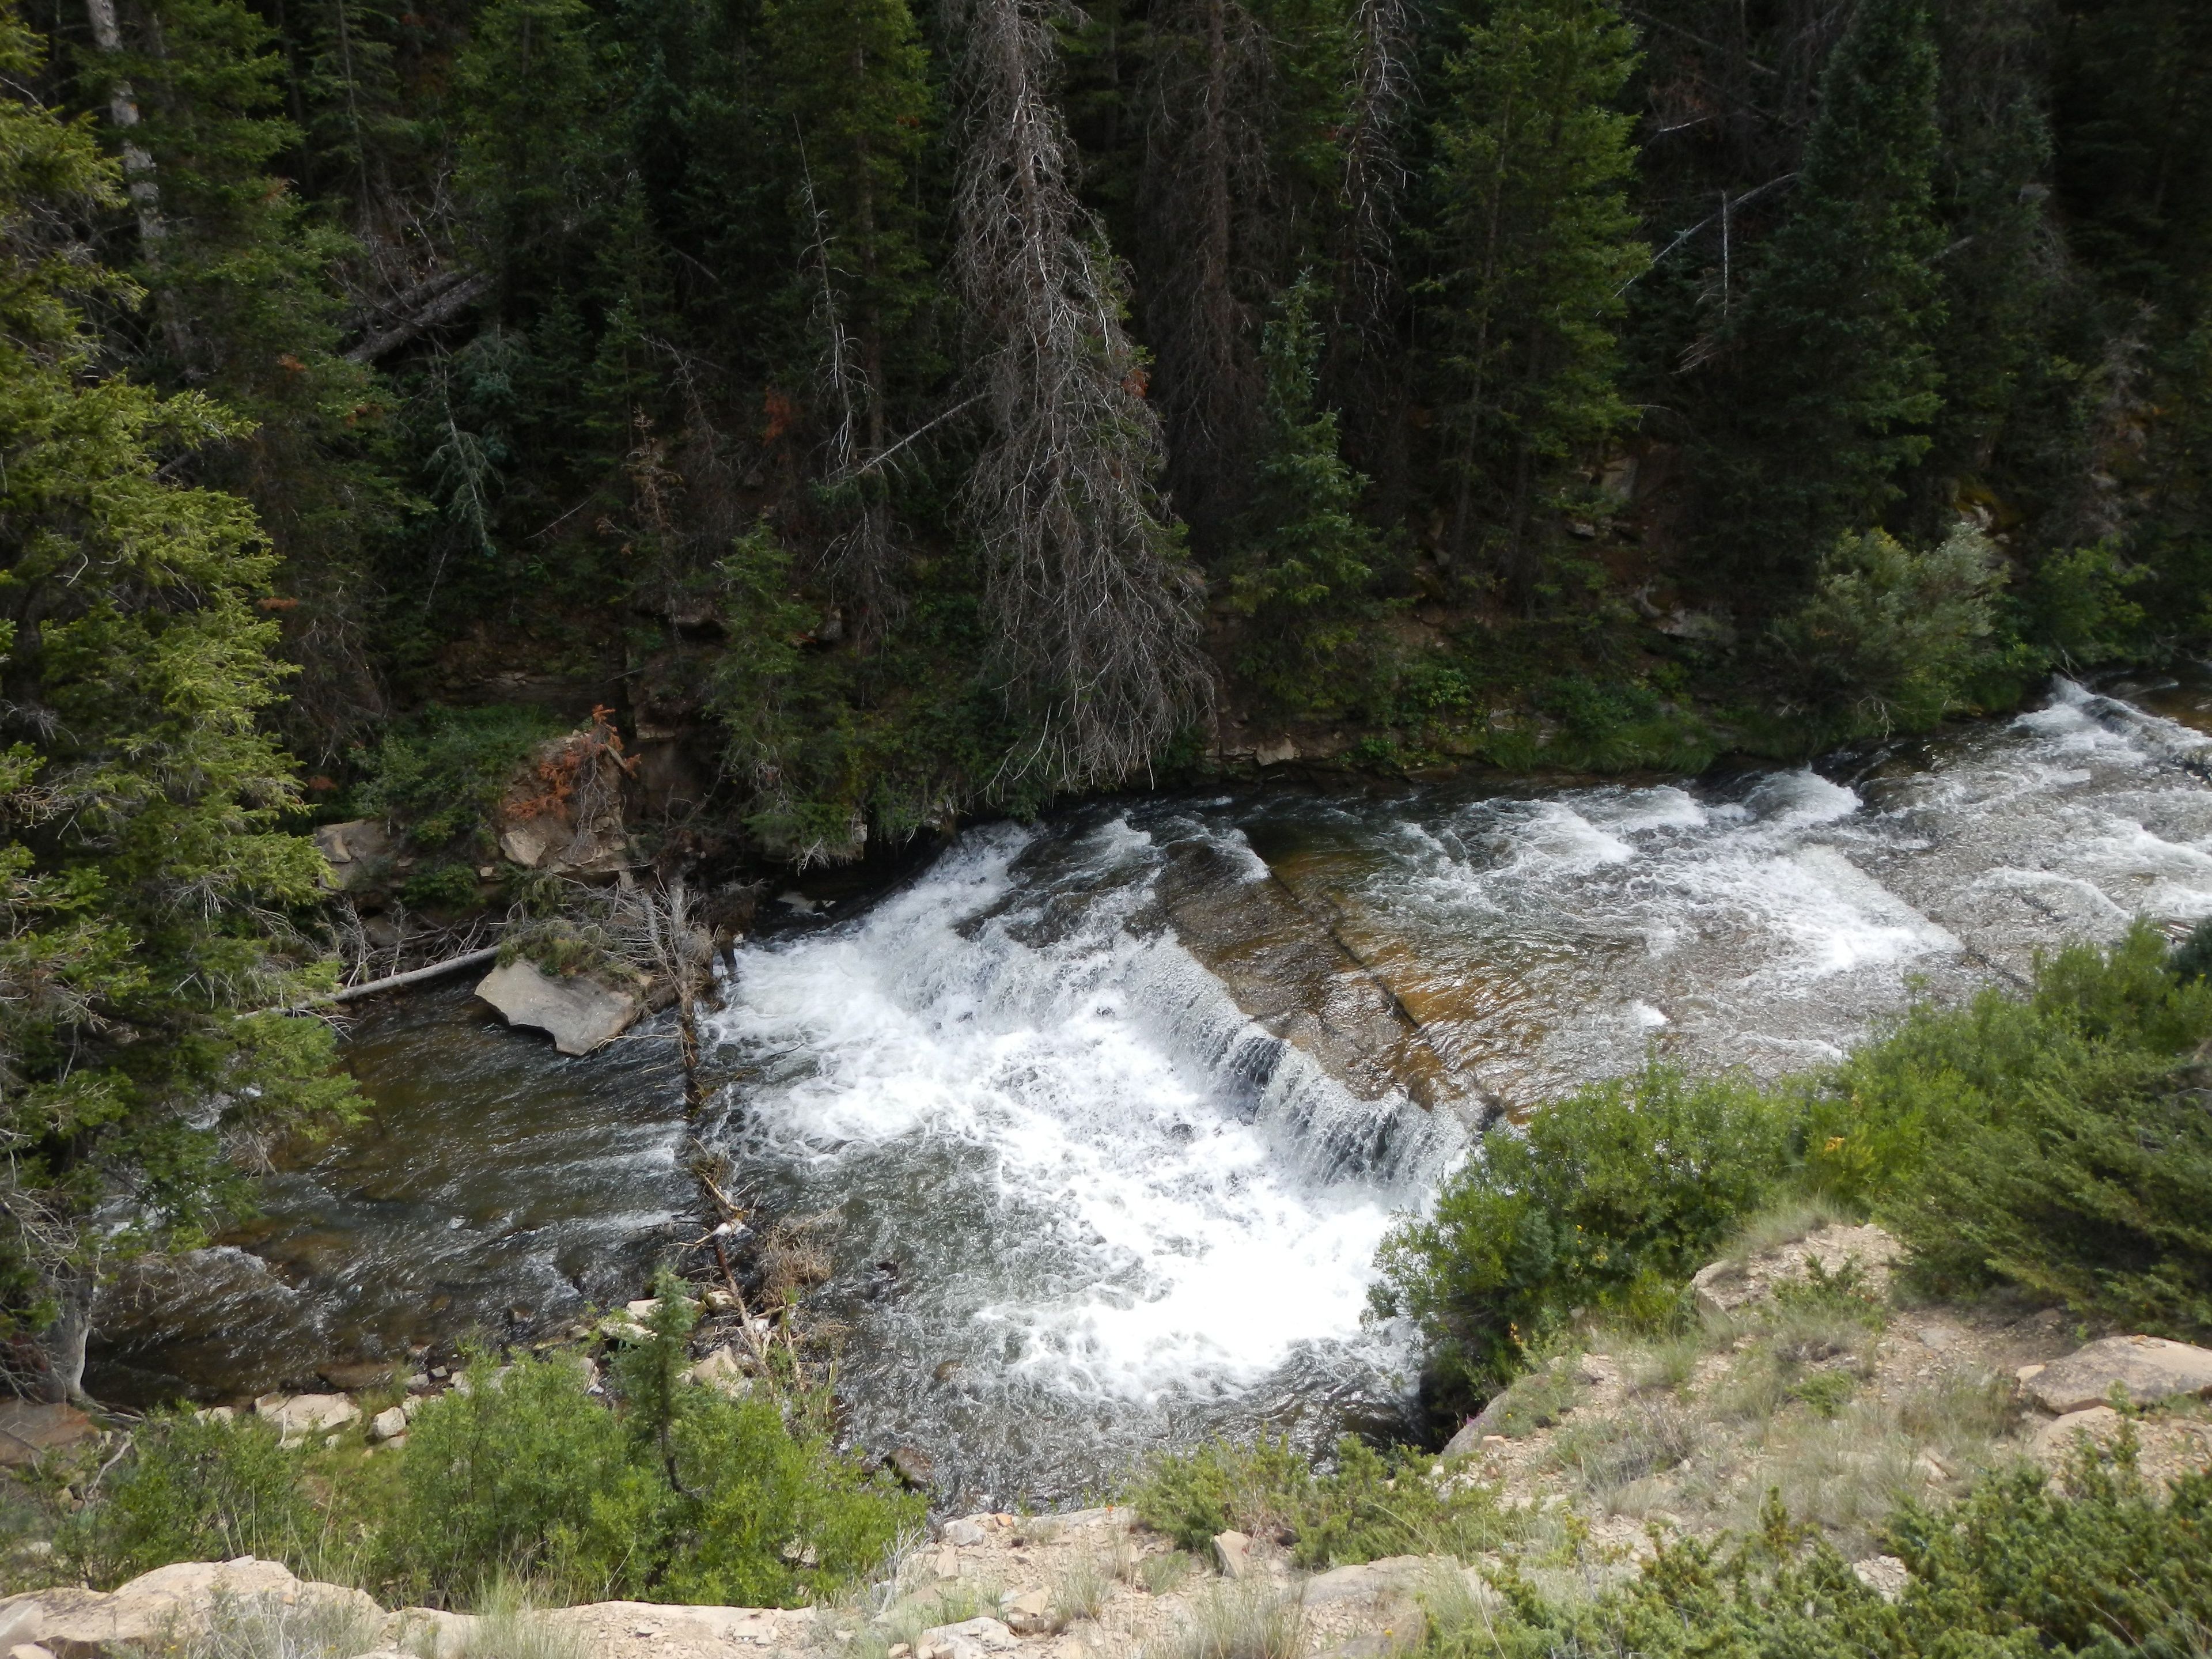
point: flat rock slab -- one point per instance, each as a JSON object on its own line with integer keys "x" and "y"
{"x": 580, "y": 1013}
{"x": 161, "y": 1606}
{"x": 2146, "y": 1369}
{"x": 27, "y": 1428}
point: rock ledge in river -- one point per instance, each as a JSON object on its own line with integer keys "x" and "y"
{"x": 580, "y": 1013}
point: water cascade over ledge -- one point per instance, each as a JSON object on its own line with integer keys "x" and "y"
{"x": 1098, "y": 1123}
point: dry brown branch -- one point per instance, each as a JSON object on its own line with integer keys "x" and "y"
{"x": 1095, "y": 610}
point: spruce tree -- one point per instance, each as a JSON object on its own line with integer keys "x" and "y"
{"x": 145, "y": 871}
{"x": 1307, "y": 558}
{"x": 242, "y": 307}
{"x": 1831, "y": 372}
{"x": 1533, "y": 245}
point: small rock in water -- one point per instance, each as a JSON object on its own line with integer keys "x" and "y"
{"x": 946, "y": 1369}
{"x": 913, "y": 1468}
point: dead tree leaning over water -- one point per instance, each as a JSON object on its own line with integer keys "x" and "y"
{"x": 1095, "y": 610}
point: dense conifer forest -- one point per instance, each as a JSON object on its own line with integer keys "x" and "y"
{"x": 943, "y": 408}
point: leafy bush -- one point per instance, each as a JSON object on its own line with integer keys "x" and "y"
{"x": 683, "y": 1495}
{"x": 1606, "y": 1200}
{"x": 1890, "y": 636}
{"x": 441, "y": 887}
{"x": 2056, "y": 1142}
{"x": 2059, "y": 1142}
{"x": 2101, "y": 1567}
{"x": 442, "y": 771}
{"x": 1373, "y": 1504}
{"x": 190, "y": 1489}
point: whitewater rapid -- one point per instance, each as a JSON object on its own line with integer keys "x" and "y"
{"x": 1086, "y": 1192}
{"x": 1097, "y": 1123}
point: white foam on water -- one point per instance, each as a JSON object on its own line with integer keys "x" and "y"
{"x": 1173, "y": 1240}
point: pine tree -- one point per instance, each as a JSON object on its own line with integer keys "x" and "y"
{"x": 145, "y": 873}
{"x": 1308, "y": 557}
{"x": 1534, "y": 243}
{"x": 242, "y": 307}
{"x": 852, "y": 80}
{"x": 1831, "y": 375}
{"x": 2004, "y": 262}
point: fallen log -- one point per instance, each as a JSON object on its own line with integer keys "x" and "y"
{"x": 393, "y": 981}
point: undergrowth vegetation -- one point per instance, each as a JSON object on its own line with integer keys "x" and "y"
{"x": 1373, "y": 1503}
{"x": 2056, "y": 1142}
{"x": 2101, "y": 1563}
{"x": 680, "y": 1493}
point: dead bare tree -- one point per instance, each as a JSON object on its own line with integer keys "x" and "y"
{"x": 1207, "y": 203}
{"x": 1095, "y": 610}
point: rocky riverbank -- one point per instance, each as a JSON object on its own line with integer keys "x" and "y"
{"x": 1808, "y": 1374}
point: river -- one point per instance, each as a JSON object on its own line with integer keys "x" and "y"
{"x": 1097, "y": 1122}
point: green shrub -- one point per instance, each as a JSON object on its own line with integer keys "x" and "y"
{"x": 2058, "y": 1143}
{"x": 1604, "y": 1200}
{"x": 1373, "y": 1503}
{"x": 191, "y": 1490}
{"x": 529, "y": 1477}
{"x": 441, "y": 772}
{"x": 441, "y": 887}
{"x": 2100, "y": 1567}
{"x": 1890, "y": 636}
{"x": 684, "y": 1494}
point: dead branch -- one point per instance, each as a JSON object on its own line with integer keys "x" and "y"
{"x": 441, "y": 307}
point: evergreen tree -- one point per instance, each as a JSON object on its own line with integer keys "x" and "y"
{"x": 238, "y": 277}
{"x": 1308, "y": 557}
{"x": 1832, "y": 372}
{"x": 1534, "y": 243}
{"x": 851, "y": 78}
{"x": 2004, "y": 263}
{"x": 145, "y": 871}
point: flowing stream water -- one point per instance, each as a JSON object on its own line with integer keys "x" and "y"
{"x": 1098, "y": 1123}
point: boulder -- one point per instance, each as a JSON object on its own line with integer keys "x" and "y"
{"x": 1885, "y": 1575}
{"x": 2146, "y": 1369}
{"x": 155, "y": 1609}
{"x": 432, "y": 1633}
{"x": 353, "y": 1376}
{"x": 2053, "y": 1443}
{"x": 723, "y": 1370}
{"x": 355, "y": 852}
{"x": 29, "y": 1428}
{"x": 1483, "y": 1425}
{"x": 390, "y": 1424}
{"x": 913, "y": 1465}
{"x": 971, "y": 1638}
{"x": 581, "y": 1013}
{"x": 1028, "y": 1614}
{"x": 966, "y": 1533}
{"x": 1722, "y": 1287}
{"x": 306, "y": 1414}
{"x": 563, "y": 810}
{"x": 1232, "y": 1552}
